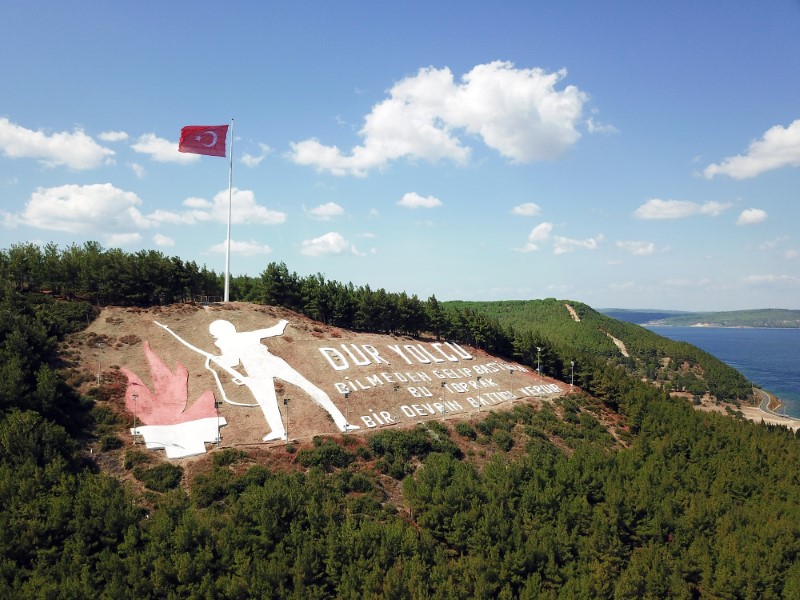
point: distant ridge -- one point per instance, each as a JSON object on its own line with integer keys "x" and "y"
{"x": 764, "y": 317}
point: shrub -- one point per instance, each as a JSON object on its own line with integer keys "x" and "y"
{"x": 466, "y": 430}
{"x": 110, "y": 442}
{"x": 160, "y": 478}
{"x": 227, "y": 457}
{"x": 134, "y": 458}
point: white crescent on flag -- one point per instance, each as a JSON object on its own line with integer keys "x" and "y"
{"x": 213, "y": 139}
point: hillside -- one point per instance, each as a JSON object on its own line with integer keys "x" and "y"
{"x": 628, "y": 494}
{"x": 373, "y": 380}
{"x": 570, "y": 332}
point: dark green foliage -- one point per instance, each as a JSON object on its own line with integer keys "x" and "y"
{"x": 326, "y": 454}
{"x": 160, "y": 478}
{"x": 698, "y": 505}
{"x": 466, "y": 430}
{"x": 227, "y": 457}
{"x": 110, "y": 442}
{"x": 135, "y": 458}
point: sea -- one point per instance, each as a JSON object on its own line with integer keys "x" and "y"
{"x": 770, "y": 358}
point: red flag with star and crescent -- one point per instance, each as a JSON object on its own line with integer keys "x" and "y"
{"x": 203, "y": 139}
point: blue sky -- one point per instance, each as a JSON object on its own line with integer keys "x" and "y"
{"x": 623, "y": 154}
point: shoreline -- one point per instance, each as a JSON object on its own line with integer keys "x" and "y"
{"x": 766, "y": 409}
{"x": 763, "y": 412}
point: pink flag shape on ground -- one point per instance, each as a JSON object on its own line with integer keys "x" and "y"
{"x": 166, "y": 405}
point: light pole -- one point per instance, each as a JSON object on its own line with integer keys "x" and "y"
{"x": 217, "y": 404}
{"x": 286, "y": 404}
{"x": 135, "y": 398}
{"x": 346, "y": 411}
{"x": 538, "y": 361}
{"x": 572, "y": 373}
{"x": 99, "y": 360}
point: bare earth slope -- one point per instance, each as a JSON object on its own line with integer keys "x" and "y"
{"x": 375, "y": 381}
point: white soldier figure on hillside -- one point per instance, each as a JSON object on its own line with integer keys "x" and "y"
{"x": 262, "y": 368}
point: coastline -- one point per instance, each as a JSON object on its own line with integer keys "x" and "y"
{"x": 764, "y": 412}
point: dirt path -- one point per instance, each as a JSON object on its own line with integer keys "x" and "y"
{"x": 572, "y": 312}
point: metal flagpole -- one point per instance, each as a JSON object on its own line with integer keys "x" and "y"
{"x": 228, "y": 243}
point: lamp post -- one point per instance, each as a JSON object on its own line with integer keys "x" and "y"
{"x": 99, "y": 360}
{"x": 135, "y": 397}
{"x": 286, "y": 404}
{"x": 346, "y": 411}
{"x": 572, "y": 373}
{"x": 538, "y": 361}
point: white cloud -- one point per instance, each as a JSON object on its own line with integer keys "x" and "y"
{"x": 244, "y": 210}
{"x": 325, "y": 212}
{"x": 330, "y": 243}
{"x": 538, "y": 234}
{"x": 637, "y": 248}
{"x": 251, "y": 160}
{"x": 113, "y": 136}
{"x": 562, "y": 245}
{"x": 593, "y": 127}
{"x": 118, "y": 240}
{"x": 779, "y": 147}
{"x": 678, "y": 209}
{"x": 83, "y": 209}
{"x": 161, "y": 150}
{"x": 250, "y": 248}
{"x": 791, "y": 254}
{"x": 517, "y": 112}
{"x": 414, "y": 200}
{"x": 772, "y": 244}
{"x": 751, "y": 216}
{"x": 163, "y": 241}
{"x": 138, "y": 170}
{"x": 75, "y": 150}
{"x": 527, "y": 209}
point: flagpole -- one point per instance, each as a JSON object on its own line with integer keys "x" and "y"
{"x": 228, "y": 243}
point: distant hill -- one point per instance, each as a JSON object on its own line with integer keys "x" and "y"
{"x": 567, "y": 332}
{"x": 766, "y": 317}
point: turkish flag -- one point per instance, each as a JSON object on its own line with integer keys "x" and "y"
{"x": 203, "y": 139}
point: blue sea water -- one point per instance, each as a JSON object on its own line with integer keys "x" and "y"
{"x": 770, "y": 358}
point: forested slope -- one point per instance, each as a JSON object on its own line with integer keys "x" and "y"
{"x": 524, "y": 503}
{"x": 586, "y": 340}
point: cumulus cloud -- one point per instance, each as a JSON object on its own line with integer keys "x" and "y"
{"x": 118, "y": 240}
{"x": 562, "y": 245}
{"x": 113, "y": 136}
{"x": 161, "y": 150}
{"x": 250, "y": 248}
{"x": 253, "y": 160}
{"x": 637, "y": 248}
{"x": 325, "y": 212}
{"x": 751, "y": 216}
{"x": 162, "y": 241}
{"x": 74, "y": 150}
{"x": 517, "y": 112}
{"x": 779, "y": 147}
{"x": 538, "y": 234}
{"x": 414, "y": 200}
{"x": 244, "y": 209}
{"x": 656, "y": 209}
{"x": 83, "y": 209}
{"x": 527, "y": 209}
{"x": 330, "y": 243}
